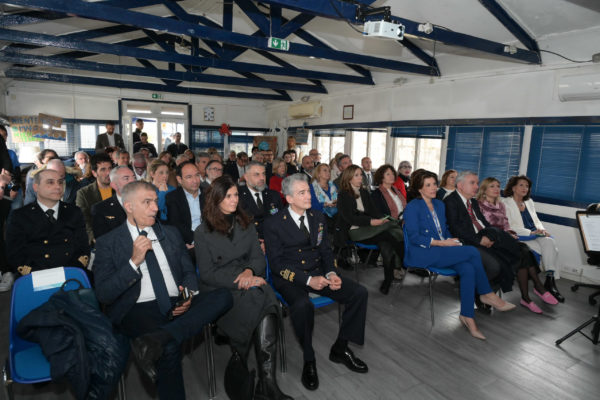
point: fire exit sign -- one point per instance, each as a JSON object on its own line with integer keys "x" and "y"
{"x": 157, "y": 96}
{"x": 279, "y": 44}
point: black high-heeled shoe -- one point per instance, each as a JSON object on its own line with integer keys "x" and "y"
{"x": 385, "y": 287}
{"x": 550, "y": 285}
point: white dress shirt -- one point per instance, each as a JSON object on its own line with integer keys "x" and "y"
{"x": 253, "y": 193}
{"x": 55, "y": 208}
{"x": 111, "y": 139}
{"x": 147, "y": 291}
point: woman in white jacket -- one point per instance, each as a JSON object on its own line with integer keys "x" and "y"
{"x": 524, "y": 221}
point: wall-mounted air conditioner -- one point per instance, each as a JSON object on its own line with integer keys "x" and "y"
{"x": 579, "y": 87}
{"x": 311, "y": 109}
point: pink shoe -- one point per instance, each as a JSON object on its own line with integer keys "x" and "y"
{"x": 547, "y": 297}
{"x": 531, "y": 306}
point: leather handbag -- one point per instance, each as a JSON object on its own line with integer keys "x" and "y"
{"x": 86, "y": 295}
{"x": 239, "y": 382}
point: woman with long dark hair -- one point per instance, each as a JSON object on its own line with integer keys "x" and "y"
{"x": 229, "y": 256}
{"x": 359, "y": 220}
{"x": 387, "y": 198}
{"x": 430, "y": 244}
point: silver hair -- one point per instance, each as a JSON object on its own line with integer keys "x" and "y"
{"x": 115, "y": 170}
{"x": 133, "y": 187}
{"x": 254, "y": 164}
{"x": 203, "y": 154}
{"x": 87, "y": 156}
{"x": 288, "y": 183}
{"x": 463, "y": 174}
{"x": 55, "y": 161}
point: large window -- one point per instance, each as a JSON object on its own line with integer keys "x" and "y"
{"x": 368, "y": 143}
{"x": 564, "y": 162}
{"x": 421, "y": 145}
{"x": 489, "y": 151}
{"x": 243, "y": 141}
{"x": 329, "y": 143}
{"x": 203, "y": 139}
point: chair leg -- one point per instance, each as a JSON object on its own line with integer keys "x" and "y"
{"x": 431, "y": 298}
{"x": 355, "y": 261}
{"x": 121, "y": 392}
{"x": 340, "y": 314}
{"x": 210, "y": 362}
{"x": 281, "y": 341}
{"x": 7, "y": 381}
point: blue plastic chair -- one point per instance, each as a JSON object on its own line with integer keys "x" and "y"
{"x": 26, "y": 363}
{"x": 318, "y": 302}
{"x": 432, "y": 274}
{"x": 357, "y": 245}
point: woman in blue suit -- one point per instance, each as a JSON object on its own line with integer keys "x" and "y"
{"x": 430, "y": 245}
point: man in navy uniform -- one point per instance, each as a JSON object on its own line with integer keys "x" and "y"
{"x": 47, "y": 233}
{"x": 109, "y": 213}
{"x": 256, "y": 199}
{"x": 302, "y": 263}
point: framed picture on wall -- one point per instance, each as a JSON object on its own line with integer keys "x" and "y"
{"x": 348, "y": 112}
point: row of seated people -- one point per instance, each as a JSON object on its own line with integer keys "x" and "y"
{"x": 305, "y": 264}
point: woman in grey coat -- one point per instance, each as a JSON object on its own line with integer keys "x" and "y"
{"x": 229, "y": 256}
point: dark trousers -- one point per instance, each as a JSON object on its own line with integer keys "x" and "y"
{"x": 302, "y": 311}
{"x": 491, "y": 264}
{"x": 146, "y": 317}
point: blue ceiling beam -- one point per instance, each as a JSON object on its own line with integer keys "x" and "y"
{"x": 126, "y": 17}
{"x": 420, "y": 54}
{"x": 154, "y": 87}
{"x": 293, "y": 24}
{"x": 509, "y": 23}
{"x": 275, "y": 19}
{"x": 145, "y": 63}
{"x": 127, "y": 51}
{"x": 151, "y": 71}
{"x": 347, "y": 11}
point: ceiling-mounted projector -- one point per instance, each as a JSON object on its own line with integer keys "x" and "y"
{"x": 384, "y": 29}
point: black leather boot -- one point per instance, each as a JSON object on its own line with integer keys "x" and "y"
{"x": 550, "y": 285}
{"x": 265, "y": 345}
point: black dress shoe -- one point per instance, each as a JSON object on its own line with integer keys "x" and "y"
{"x": 348, "y": 358}
{"x": 550, "y": 285}
{"x": 310, "y": 379}
{"x": 146, "y": 351}
{"x": 385, "y": 287}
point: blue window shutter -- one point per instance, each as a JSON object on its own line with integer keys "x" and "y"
{"x": 588, "y": 179}
{"x": 430, "y": 132}
{"x": 465, "y": 153}
{"x": 330, "y": 132}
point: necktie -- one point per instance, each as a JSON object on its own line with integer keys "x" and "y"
{"x": 50, "y": 214}
{"x": 158, "y": 282}
{"x": 369, "y": 179}
{"x": 472, "y": 215}
{"x": 259, "y": 202}
{"x": 303, "y": 228}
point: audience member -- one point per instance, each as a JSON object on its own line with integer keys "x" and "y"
{"x": 430, "y": 244}
{"x": 47, "y": 233}
{"x": 6, "y": 273}
{"x": 113, "y": 153}
{"x": 214, "y": 169}
{"x": 256, "y": 199}
{"x": 109, "y": 214}
{"x": 279, "y": 174}
{"x": 42, "y": 159}
{"x": 140, "y": 269}
{"x": 404, "y": 172}
{"x": 386, "y": 197}
{"x": 137, "y": 133}
{"x": 140, "y": 165}
{"x": 523, "y": 219}
{"x": 259, "y": 158}
{"x": 343, "y": 162}
{"x": 82, "y": 160}
{"x": 122, "y": 158}
{"x": 109, "y": 139}
{"x": 498, "y": 249}
{"x": 96, "y": 191}
{"x": 190, "y": 155}
{"x": 237, "y": 170}
{"x": 69, "y": 176}
{"x": 368, "y": 180}
{"x": 360, "y": 221}
{"x": 333, "y": 166}
{"x": 159, "y": 176}
{"x": 289, "y": 162}
{"x": 316, "y": 156}
{"x": 323, "y": 194}
{"x": 447, "y": 185}
{"x": 184, "y": 204}
{"x": 181, "y": 159}
{"x": 177, "y": 147}
{"x": 229, "y": 257}
{"x": 495, "y": 212}
{"x": 308, "y": 167}
{"x": 253, "y": 152}
{"x": 202, "y": 160}
{"x": 143, "y": 143}
{"x": 303, "y": 263}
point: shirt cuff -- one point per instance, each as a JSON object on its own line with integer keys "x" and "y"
{"x": 329, "y": 274}
{"x": 308, "y": 281}
{"x": 135, "y": 267}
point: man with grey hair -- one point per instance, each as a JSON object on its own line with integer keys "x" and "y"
{"x": 342, "y": 163}
{"x": 141, "y": 271}
{"x": 109, "y": 213}
{"x": 139, "y": 166}
{"x": 302, "y": 262}
{"x": 467, "y": 223}
{"x": 256, "y": 199}
{"x": 47, "y": 233}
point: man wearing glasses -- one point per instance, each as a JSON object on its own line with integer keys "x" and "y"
{"x": 141, "y": 270}
{"x": 214, "y": 169}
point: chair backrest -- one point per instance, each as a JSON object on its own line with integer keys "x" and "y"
{"x": 406, "y": 243}
{"x": 26, "y": 298}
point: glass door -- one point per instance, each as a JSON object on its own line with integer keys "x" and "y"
{"x": 166, "y": 133}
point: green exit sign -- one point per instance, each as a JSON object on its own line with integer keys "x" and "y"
{"x": 279, "y": 44}
{"x": 157, "y": 96}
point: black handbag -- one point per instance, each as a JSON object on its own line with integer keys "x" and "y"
{"x": 86, "y": 295}
{"x": 239, "y": 382}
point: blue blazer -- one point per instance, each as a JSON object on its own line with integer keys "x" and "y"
{"x": 419, "y": 229}
{"x": 118, "y": 285}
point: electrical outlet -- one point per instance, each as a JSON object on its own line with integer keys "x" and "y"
{"x": 572, "y": 269}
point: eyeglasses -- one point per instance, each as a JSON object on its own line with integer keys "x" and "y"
{"x": 216, "y": 169}
{"x": 160, "y": 233}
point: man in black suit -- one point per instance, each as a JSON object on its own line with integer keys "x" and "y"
{"x": 109, "y": 213}
{"x": 184, "y": 204}
{"x": 144, "y": 143}
{"x": 268, "y": 160}
{"x": 237, "y": 170}
{"x": 47, "y": 233}
{"x": 302, "y": 263}
{"x": 256, "y": 199}
{"x": 109, "y": 139}
{"x": 177, "y": 147}
{"x": 308, "y": 166}
{"x": 467, "y": 223}
{"x": 140, "y": 269}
